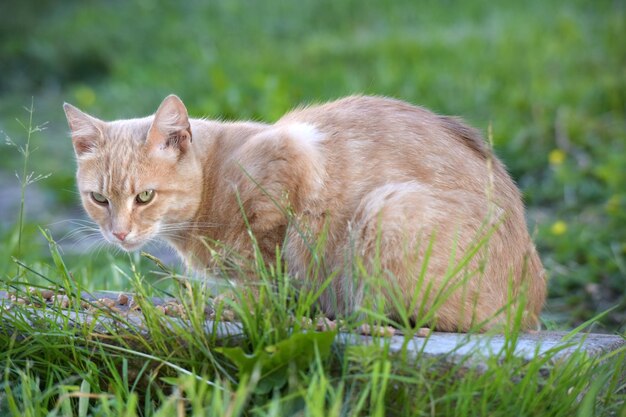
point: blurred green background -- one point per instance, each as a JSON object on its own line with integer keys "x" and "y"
{"x": 548, "y": 76}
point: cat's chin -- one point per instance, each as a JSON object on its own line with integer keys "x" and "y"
{"x": 130, "y": 246}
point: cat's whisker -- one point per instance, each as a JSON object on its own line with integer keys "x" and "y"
{"x": 96, "y": 244}
{"x": 180, "y": 233}
{"x": 99, "y": 246}
{"x": 86, "y": 240}
{"x": 71, "y": 191}
{"x": 73, "y": 222}
{"x": 76, "y": 231}
{"x": 190, "y": 226}
{"x": 93, "y": 226}
{"x": 157, "y": 244}
{"x": 86, "y": 227}
{"x": 80, "y": 232}
{"x": 174, "y": 234}
{"x": 171, "y": 237}
{"x": 87, "y": 233}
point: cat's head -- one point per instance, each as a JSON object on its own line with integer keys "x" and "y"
{"x": 138, "y": 179}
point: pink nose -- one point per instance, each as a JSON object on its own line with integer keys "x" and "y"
{"x": 120, "y": 235}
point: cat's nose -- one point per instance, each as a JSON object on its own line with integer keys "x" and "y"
{"x": 120, "y": 235}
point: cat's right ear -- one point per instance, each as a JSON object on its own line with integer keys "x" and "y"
{"x": 86, "y": 130}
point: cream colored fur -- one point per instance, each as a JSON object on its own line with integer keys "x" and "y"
{"x": 382, "y": 180}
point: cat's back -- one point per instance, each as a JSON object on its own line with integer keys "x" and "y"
{"x": 355, "y": 107}
{"x": 357, "y": 113}
{"x": 381, "y": 124}
{"x": 373, "y": 139}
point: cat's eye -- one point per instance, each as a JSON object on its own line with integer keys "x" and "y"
{"x": 145, "y": 197}
{"x": 99, "y": 198}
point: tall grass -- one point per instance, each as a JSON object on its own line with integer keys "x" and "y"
{"x": 26, "y": 177}
{"x": 272, "y": 364}
{"x": 179, "y": 367}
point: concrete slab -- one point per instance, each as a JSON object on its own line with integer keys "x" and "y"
{"x": 451, "y": 347}
{"x": 458, "y": 347}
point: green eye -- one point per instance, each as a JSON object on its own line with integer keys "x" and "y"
{"x": 99, "y": 198}
{"x": 145, "y": 197}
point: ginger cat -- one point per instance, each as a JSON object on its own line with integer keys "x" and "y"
{"x": 415, "y": 199}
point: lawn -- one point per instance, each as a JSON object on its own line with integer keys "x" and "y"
{"x": 547, "y": 78}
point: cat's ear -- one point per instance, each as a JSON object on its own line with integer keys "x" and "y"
{"x": 87, "y": 131}
{"x": 170, "y": 133}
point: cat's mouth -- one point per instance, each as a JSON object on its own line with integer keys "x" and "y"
{"x": 129, "y": 245}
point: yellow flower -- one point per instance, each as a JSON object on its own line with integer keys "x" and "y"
{"x": 613, "y": 204}
{"x": 85, "y": 96}
{"x": 556, "y": 157}
{"x": 558, "y": 228}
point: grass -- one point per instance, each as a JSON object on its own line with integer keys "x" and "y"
{"x": 273, "y": 366}
{"x": 547, "y": 75}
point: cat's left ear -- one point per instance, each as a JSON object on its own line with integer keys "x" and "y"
{"x": 170, "y": 132}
